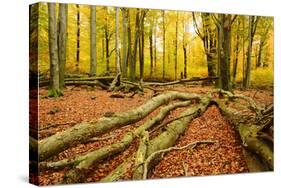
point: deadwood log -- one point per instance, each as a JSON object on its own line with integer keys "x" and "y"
{"x": 84, "y": 131}
{"x": 158, "y": 153}
{"x": 115, "y": 83}
{"x": 118, "y": 172}
{"x": 248, "y": 132}
{"x": 179, "y": 81}
{"x": 253, "y": 105}
{"x": 87, "y": 160}
{"x": 169, "y": 137}
{"x": 141, "y": 156}
{"x": 258, "y": 146}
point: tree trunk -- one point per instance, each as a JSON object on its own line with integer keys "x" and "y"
{"x": 134, "y": 58}
{"x": 54, "y": 89}
{"x": 225, "y": 44}
{"x": 84, "y": 131}
{"x": 78, "y": 39}
{"x": 253, "y": 20}
{"x": 130, "y": 57}
{"x": 249, "y": 55}
{"x": 62, "y": 40}
{"x": 107, "y": 38}
{"x": 164, "y": 37}
{"x": 184, "y": 51}
{"x": 209, "y": 39}
{"x": 151, "y": 47}
{"x": 176, "y": 48}
{"x": 125, "y": 45}
{"x": 93, "y": 53}
{"x": 117, "y": 60}
{"x": 155, "y": 41}
{"x": 235, "y": 63}
{"x": 261, "y": 46}
{"x": 141, "y": 44}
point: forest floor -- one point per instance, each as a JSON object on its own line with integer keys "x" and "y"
{"x": 85, "y": 104}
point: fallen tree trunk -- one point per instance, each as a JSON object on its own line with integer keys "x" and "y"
{"x": 105, "y": 80}
{"x": 179, "y": 81}
{"x": 88, "y": 83}
{"x": 253, "y": 105}
{"x": 87, "y": 160}
{"x": 84, "y": 131}
{"x": 251, "y": 141}
{"x": 248, "y": 132}
{"x": 141, "y": 156}
{"x": 154, "y": 155}
{"x": 168, "y": 137}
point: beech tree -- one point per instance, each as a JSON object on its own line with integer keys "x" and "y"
{"x": 62, "y": 40}
{"x": 54, "y": 87}
{"x": 93, "y": 58}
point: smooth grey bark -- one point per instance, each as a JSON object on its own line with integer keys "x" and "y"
{"x": 54, "y": 89}
{"x": 151, "y": 45}
{"x": 93, "y": 53}
{"x": 134, "y": 56}
{"x": 184, "y": 47}
{"x": 84, "y": 131}
{"x": 141, "y": 44}
{"x": 125, "y": 41}
{"x": 78, "y": 38}
{"x": 176, "y": 48}
{"x": 209, "y": 39}
{"x": 62, "y": 42}
{"x": 164, "y": 37}
{"x": 253, "y": 20}
{"x": 117, "y": 60}
{"x": 91, "y": 158}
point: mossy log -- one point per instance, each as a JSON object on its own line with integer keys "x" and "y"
{"x": 82, "y": 132}
{"x": 248, "y": 132}
{"x": 168, "y": 137}
{"x": 258, "y": 146}
{"x": 182, "y": 81}
{"x": 141, "y": 156}
{"x": 87, "y": 160}
{"x": 99, "y": 83}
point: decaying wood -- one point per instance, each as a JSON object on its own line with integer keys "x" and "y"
{"x": 87, "y": 160}
{"x": 253, "y": 105}
{"x": 127, "y": 139}
{"x": 167, "y": 138}
{"x": 83, "y": 131}
{"x": 249, "y": 133}
{"x": 251, "y": 129}
{"x": 140, "y": 156}
{"x": 106, "y": 80}
{"x": 258, "y": 146}
{"x": 118, "y": 172}
{"x": 158, "y": 153}
{"x": 179, "y": 81}
{"x": 115, "y": 83}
